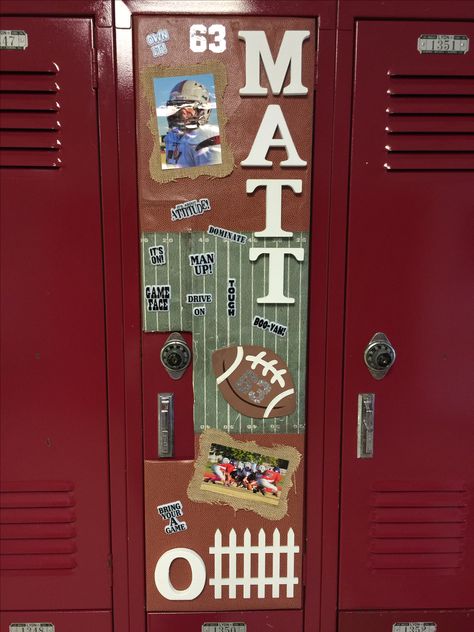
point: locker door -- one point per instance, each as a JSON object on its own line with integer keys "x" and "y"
{"x": 54, "y": 477}
{"x": 218, "y": 550}
{"x": 407, "y": 528}
{"x": 217, "y": 544}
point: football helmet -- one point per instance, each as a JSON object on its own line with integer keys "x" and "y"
{"x": 189, "y": 105}
{"x": 262, "y": 468}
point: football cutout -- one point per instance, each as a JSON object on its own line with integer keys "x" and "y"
{"x": 255, "y": 381}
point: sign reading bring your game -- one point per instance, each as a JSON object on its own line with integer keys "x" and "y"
{"x": 225, "y": 120}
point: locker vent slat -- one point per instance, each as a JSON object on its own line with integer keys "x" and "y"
{"x": 430, "y": 123}
{"x": 418, "y": 528}
{"x": 30, "y": 124}
{"x": 37, "y": 527}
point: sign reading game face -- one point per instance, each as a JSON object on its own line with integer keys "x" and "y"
{"x": 225, "y": 118}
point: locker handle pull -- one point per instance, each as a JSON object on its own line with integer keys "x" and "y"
{"x": 365, "y": 425}
{"x": 165, "y": 425}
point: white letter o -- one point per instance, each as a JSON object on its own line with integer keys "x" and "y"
{"x": 162, "y": 575}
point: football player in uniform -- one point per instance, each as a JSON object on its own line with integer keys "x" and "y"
{"x": 172, "y": 141}
{"x": 246, "y": 473}
{"x": 238, "y": 474}
{"x": 250, "y": 479}
{"x": 254, "y": 478}
{"x": 268, "y": 481}
{"x": 189, "y": 106}
{"x": 221, "y": 472}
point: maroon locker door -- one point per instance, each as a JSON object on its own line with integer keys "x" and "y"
{"x": 54, "y": 478}
{"x": 137, "y": 24}
{"x": 407, "y": 530}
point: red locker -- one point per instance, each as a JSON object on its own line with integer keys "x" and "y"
{"x": 54, "y": 393}
{"x": 57, "y": 389}
{"x": 409, "y": 504}
{"x": 154, "y": 42}
{"x": 406, "y": 534}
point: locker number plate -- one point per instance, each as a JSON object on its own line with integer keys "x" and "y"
{"x": 13, "y": 40}
{"x": 414, "y": 627}
{"x": 443, "y": 44}
{"x": 31, "y": 627}
{"x": 224, "y": 627}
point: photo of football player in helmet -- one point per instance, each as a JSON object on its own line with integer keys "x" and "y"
{"x": 190, "y": 134}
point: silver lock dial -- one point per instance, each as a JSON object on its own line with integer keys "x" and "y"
{"x": 379, "y": 355}
{"x": 176, "y": 355}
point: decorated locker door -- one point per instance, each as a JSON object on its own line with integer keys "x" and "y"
{"x": 224, "y": 123}
{"x": 54, "y": 479}
{"x": 407, "y": 480}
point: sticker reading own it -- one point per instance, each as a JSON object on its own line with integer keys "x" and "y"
{"x": 414, "y": 626}
{"x": 156, "y": 42}
{"x": 224, "y": 627}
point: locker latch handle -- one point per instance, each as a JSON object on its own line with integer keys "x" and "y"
{"x": 365, "y": 425}
{"x": 165, "y": 425}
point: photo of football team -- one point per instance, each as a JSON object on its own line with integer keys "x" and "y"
{"x": 186, "y": 111}
{"x": 236, "y": 472}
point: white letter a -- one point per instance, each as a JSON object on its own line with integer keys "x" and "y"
{"x": 273, "y": 120}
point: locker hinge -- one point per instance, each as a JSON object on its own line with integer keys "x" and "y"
{"x": 94, "y": 69}
{"x": 303, "y": 571}
{"x": 316, "y": 66}
{"x": 110, "y": 567}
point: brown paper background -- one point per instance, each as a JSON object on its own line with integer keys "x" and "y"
{"x": 167, "y": 481}
{"x": 232, "y": 208}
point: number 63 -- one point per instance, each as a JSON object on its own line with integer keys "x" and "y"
{"x": 198, "y": 41}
